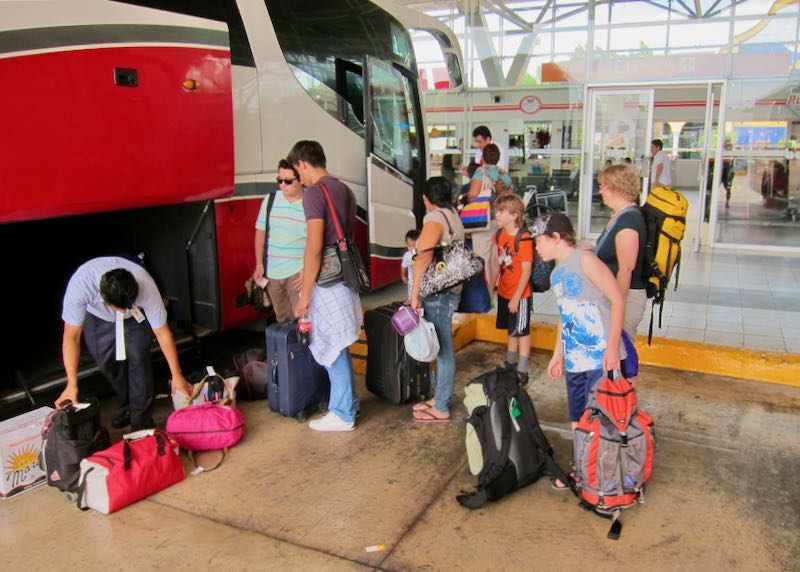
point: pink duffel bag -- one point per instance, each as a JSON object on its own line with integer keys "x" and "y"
{"x": 206, "y": 427}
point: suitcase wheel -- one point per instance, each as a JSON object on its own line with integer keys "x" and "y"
{"x": 322, "y": 407}
{"x": 301, "y": 416}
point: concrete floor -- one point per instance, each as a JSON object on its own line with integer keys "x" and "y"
{"x": 724, "y": 495}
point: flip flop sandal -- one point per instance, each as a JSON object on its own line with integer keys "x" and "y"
{"x": 425, "y": 416}
{"x": 554, "y": 485}
{"x": 421, "y": 406}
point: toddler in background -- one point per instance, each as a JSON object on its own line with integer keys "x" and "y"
{"x": 407, "y": 265}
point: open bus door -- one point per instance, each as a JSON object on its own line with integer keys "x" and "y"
{"x": 395, "y": 164}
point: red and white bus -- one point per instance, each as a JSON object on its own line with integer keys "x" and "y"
{"x": 156, "y": 126}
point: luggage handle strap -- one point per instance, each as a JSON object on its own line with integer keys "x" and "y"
{"x": 82, "y": 491}
{"x": 615, "y": 530}
{"x": 126, "y": 448}
{"x": 201, "y": 469}
{"x": 198, "y": 388}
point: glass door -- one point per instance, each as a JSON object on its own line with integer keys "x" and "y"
{"x": 620, "y": 130}
{"x": 394, "y": 147}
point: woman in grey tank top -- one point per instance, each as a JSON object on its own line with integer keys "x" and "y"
{"x": 441, "y": 223}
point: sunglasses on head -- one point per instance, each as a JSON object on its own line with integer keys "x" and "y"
{"x": 286, "y": 181}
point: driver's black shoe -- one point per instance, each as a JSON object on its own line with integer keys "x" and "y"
{"x": 121, "y": 420}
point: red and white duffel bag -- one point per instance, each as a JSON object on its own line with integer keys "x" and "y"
{"x": 143, "y": 463}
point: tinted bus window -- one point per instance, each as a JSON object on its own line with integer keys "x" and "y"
{"x": 394, "y": 137}
{"x": 329, "y": 40}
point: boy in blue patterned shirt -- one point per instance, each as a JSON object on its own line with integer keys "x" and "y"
{"x": 591, "y": 308}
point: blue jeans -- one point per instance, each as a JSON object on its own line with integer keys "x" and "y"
{"x": 343, "y": 401}
{"x": 439, "y": 312}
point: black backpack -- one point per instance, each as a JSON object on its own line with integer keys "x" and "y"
{"x": 68, "y": 436}
{"x": 495, "y": 403}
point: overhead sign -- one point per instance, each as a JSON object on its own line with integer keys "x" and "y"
{"x": 793, "y": 100}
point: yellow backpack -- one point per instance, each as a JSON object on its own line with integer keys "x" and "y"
{"x": 665, "y": 223}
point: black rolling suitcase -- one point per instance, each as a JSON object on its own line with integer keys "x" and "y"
{"x": 296, "y": 384}
{"x": 391, "y": 373}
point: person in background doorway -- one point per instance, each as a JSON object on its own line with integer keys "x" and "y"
{"x": 115, "y": 304}
{"x": 481, "y": 137}
{"x": 448, "y": 170}
{"x": 334, "y": 310}
{"x": 282, "y": 262}
{"x": 407, "y": 264}
{"x": 661, "y": 166}
{"x": 727, "y": 173}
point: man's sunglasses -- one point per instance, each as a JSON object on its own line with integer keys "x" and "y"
{"x": 286, "y": 181}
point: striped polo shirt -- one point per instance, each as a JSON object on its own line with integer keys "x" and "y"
{"x": 287, "y": 236}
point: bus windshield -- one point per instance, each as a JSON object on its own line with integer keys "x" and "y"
{"x": 326, "y": 44}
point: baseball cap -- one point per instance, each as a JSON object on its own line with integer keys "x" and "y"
{"x": 550, "y": 223}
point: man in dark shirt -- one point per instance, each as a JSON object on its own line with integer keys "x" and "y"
{"x": 334, "y": 310}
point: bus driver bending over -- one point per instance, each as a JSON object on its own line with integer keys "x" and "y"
{"x": 115, "y": 303}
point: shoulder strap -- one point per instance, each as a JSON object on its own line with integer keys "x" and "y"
{"x": 270, "y": 202}
{"x": 607, "y": 231}
{"x": 487, "y": 185}
{"x": 447, "y": 222}
{"x": 518, "y": 238}
{"x": 449, "y": 229}
{"x": 334, "y": 216}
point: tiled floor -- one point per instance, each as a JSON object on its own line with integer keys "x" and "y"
{"x": 743, "y": 300}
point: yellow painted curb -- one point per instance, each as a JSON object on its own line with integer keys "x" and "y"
{"x": 756, "y": 365}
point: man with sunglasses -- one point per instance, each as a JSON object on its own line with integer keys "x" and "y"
{"x": 280, "y": 241}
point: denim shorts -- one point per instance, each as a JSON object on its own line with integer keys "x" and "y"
{"x": 578, "y": 386}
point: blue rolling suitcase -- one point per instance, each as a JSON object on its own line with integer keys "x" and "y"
{"x": 296, "y": 384}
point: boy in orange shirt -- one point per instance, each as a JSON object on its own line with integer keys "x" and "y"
{"x": 511, "y": 275}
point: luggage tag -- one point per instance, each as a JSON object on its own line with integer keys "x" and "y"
{"x": 514, "y": 412}
{"x": 137, "y": 314}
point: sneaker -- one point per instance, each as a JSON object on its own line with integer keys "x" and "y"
{"x": 331, "y": 422}
{"x": 507, "y": 365}
{"x": 523, "y": 378}
{"x": 121, "y": 420}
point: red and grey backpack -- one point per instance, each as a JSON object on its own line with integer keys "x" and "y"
{"x": 614, "y": 450}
